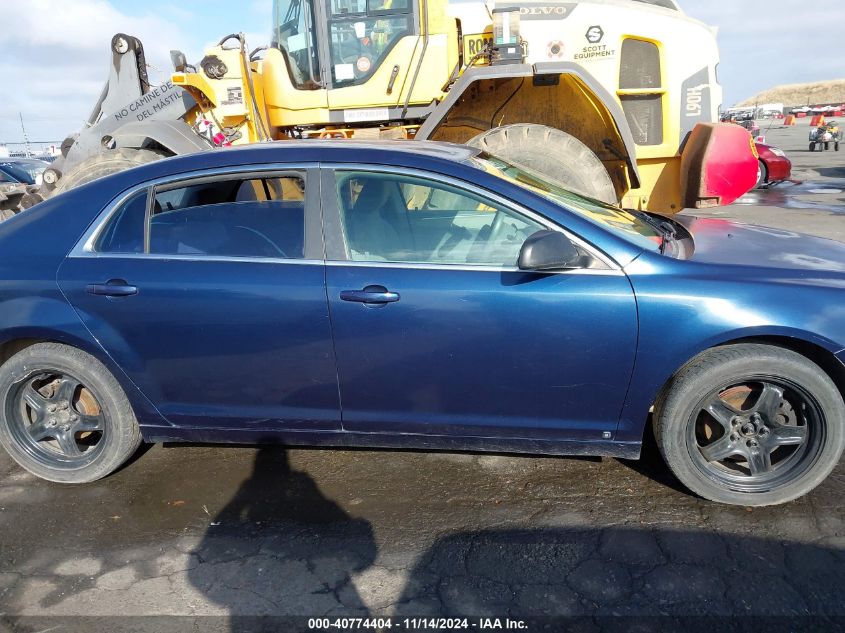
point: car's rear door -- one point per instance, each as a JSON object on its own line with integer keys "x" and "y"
{"x": 436, "y": 330}
{"x": 210, "y": 293}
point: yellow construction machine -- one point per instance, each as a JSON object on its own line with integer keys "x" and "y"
{"x": 615, "y": 99}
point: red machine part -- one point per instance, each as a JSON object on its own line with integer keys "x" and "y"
{"x": 718, "y": 165}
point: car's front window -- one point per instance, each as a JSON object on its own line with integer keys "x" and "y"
{"x": 406, "y": 219}
{"x": 629, "y": 225}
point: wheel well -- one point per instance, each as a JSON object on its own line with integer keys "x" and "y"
{"x": 817, "y": 354}
{"x": 591, "y": 115}
{"x": 10, "y": 348}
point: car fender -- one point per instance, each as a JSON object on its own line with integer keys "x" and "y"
{"x": 683, "y": 316}
{"x": 51, "y": 318}
{"x": 650, "y": 378}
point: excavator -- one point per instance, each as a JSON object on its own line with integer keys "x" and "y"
{"x": 614, "y": 99}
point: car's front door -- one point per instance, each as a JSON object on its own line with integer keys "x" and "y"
{"x": 210, "y": 294}
{"x": 438, "y": 332}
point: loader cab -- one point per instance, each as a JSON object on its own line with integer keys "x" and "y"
{"x": 357, "y": 37}
{"x": 295, "y": 35}
{"x": 349, "y": 64}
{"x": 362, "y": 33}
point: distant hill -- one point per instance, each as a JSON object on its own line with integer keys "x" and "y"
{"x": 820, "y": 92}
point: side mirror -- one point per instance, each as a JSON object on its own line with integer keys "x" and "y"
{"x": 549, "y": 250}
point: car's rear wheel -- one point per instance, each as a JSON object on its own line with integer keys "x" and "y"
{"x": 64, "y": 416}
{"x": 751, "y": 425}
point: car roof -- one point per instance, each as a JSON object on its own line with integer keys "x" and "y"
{"x": 432, "y": 149}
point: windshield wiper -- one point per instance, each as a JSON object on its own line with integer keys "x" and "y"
{"x": 667, "y": 231}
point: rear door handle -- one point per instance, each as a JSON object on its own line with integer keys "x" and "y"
{"x": 371, "y": 295}
{"x": 112, "y": 288}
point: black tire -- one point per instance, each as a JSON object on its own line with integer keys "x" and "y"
{"x": 811, "y": 407}
{"x": 826, "y": 146}
{"x": 762, "y": 174}
{"x": 812, "y": 147}
{"x": 553, "y": 153}
{"x": 836, "y": 147}
{"x": 52, "y": 398}
{"x": 102, "y": 165}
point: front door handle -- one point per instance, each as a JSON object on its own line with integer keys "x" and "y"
{"x": 112, "y": 288}
{"x": 375, "y": 295}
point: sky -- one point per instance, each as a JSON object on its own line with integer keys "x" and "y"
{"x": 54, "y": 54}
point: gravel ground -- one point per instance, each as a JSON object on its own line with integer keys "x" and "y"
{"x": 226, "y": 536}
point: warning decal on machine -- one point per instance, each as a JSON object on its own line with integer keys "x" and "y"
{"x": 151, "y": 104}
{"x": 234, "y": 96}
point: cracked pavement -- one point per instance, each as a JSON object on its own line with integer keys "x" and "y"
{"x": 240, "y": 532}
{"x": 219, "y": 531}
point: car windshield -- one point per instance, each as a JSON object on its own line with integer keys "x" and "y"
{"x": 15, "y": 172}
{"x": 632, "y": 226}
{"x": 26, "y": 171}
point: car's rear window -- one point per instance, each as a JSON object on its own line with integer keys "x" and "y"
{"x": 231, "y": 217}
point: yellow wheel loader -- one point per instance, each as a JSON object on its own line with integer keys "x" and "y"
{"x": 614, "y": 99}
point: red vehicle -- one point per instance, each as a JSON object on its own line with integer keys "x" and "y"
{"x": 774, "y": 165}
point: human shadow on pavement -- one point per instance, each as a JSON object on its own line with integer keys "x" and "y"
{"x": 619, "y": 578}
{"x": 281, "y": 548}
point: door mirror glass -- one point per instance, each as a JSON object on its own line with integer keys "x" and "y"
{"x": 549, "y": 250}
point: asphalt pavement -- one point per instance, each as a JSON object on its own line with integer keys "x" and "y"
{"x": 812, "y": 201}
{"x": 235, "y": 538}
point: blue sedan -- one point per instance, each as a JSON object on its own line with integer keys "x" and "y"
{"x": 413, "y": 295}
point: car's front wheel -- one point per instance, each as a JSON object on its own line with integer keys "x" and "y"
{"x": 762, "y": 173}
{"x": 751, "y": 425}
{"x": 64, "y": 417}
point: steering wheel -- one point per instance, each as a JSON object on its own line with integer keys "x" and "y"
{"x": 496, "y": 229}
{"x": 274, "y": 248}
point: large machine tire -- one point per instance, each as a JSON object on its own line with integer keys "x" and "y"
{"x": 553, "y": 153}
{"x": 106, "y": 164}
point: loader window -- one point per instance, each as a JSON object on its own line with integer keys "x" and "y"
{"x": 641, "y": 90}
{"x": 362, "y": 33}
{"x": 294, "y": 35}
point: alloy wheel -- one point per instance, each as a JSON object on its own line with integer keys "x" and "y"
{"x": 757, "y": 435}
{"x": 56, "y": 419}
